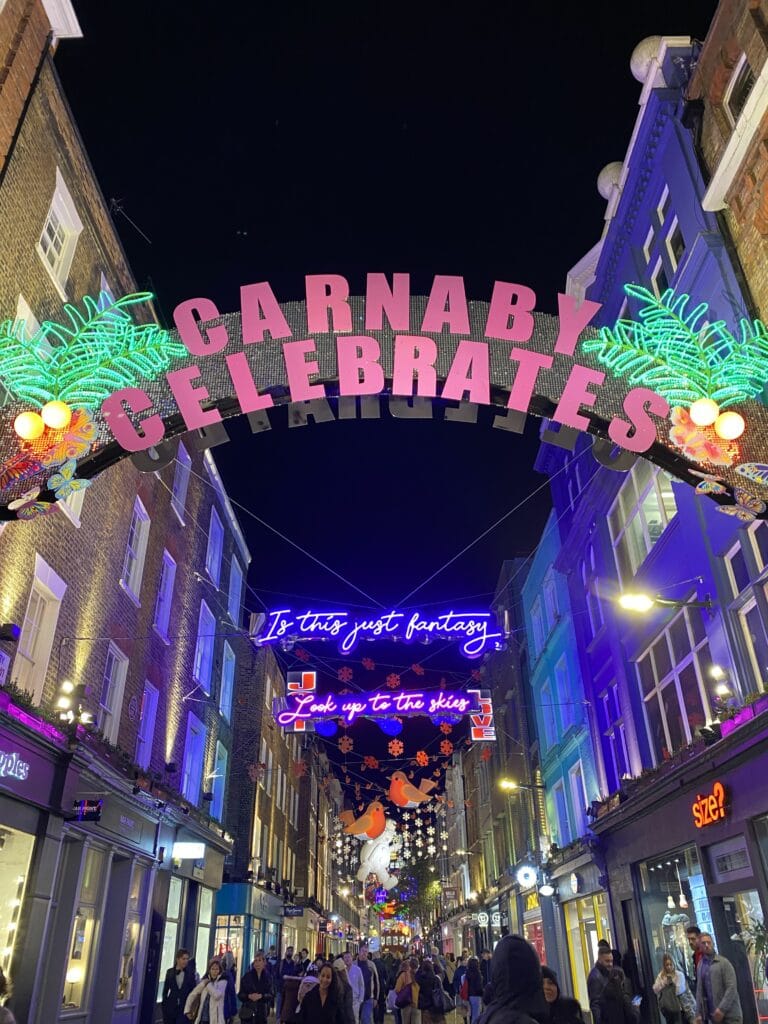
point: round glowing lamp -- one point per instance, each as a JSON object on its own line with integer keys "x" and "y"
{"x": 29, "y": 425}
{"x": 636, "y": 602}
{"x": 704, "y": 412}
{"x": 56, "y": 415}
{"x": 729, "y": 426}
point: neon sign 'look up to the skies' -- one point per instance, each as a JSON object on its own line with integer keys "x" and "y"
{"x": 303, "y": 706}
{"x": 475, "y": 631}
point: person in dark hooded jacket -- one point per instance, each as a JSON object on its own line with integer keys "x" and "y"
{"x": 518, "y": 996}
{"x": 562, "y": 1009}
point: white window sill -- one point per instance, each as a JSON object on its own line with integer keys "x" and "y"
{"x": 162, "y": 636}
{"x": 64, "y": 507}
{"x": 129, "y": 593}
{"x": 202, "y": 686}
{"x": 52, "y": 274}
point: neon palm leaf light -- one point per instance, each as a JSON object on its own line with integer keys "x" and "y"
{"x": 81, "y": 363}
{"x": 672, "y": 350}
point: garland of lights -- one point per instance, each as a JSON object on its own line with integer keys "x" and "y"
{"x": 674, "y": 352}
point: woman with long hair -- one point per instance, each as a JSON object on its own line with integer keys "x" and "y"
{"x": 328, "y": 1002}
{"x": 256, "y": 990}
{"x": 430, "y": 994}
{"x": 207, "y": 1003}
{"x": 675, "y": 1001}
{"x": 475, "y": 985}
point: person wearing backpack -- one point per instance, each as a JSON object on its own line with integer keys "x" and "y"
{"x": 407, "y": 994}
{"x": 431, "y": 995}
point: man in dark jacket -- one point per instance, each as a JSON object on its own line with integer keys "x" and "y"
{"x": 256, "y": 988}
{"x": 485, "y": 967}
{"x": 598, "y": 978}
{"x": 179, "y": 982}
{"x": 562, "y": 1009}
{"x": 288, "y": 967}
{"x": 518, "y": 997}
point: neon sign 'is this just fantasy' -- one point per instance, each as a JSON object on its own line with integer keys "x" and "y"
{"x": 475, "y": 632}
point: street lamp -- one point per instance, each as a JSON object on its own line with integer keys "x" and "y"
{"x": 510, "y": 785}
{"x": 641, "y": 602}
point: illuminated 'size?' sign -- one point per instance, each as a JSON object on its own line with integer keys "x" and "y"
{"x": 475, "y": 632}
{"x": 302, "y": 705}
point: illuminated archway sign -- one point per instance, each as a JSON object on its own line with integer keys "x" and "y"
{"x": 303, "y": 707}
{"x": 129, "y": 387}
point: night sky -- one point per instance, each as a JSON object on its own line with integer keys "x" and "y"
{"x": 270, "y": 140}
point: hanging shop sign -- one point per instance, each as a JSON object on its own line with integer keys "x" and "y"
{"x": 709, "y": 808}
{"x": 293, "y": 911}
{"x": 302, "y": 708}
{"x": 482, "y": 919}
{"x": 475, "y": 632}
{"x": 105, "y": 381}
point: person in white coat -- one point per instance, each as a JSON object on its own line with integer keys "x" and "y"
{"x": 212, "y": 1007}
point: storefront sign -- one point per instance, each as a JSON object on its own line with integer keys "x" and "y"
{"x": 13, "y": 767}
{"x": 710, "y": 808}
{"x": 496, "y": 919}
{"x": 450, "y": 893}
{"x": 532, "y": 901}
{"x": 88, "y": 810}
{"x": 482, "y": 919}
{"x": 293, "y": 911}
{"x": 476, "y": 632}
{"x": 302, "y": 706}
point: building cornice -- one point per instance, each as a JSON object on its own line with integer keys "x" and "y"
{"x": 64, "y": 23}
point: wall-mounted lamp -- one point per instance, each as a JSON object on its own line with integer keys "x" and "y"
{"x": 10, "y": 632}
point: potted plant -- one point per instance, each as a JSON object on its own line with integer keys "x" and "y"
{"x": 727, "y": 717}
{"x": 759, "y": 701}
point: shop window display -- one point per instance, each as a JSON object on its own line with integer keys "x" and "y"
{"x": 84, "y": 927}
{"x": 171, "y": 933}
{"x": 132, "y": 935}
{"x": 15, "y": 853}
{"x": 229, "y": 938}
{"x": 204, "y": 926}
{"x": 745, "y": 924}
{"x": 673, "y": 897}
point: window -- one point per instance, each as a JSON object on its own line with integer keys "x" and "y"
{"x": 548, "y": 716}
{"x": 203, "y": 664}
{"x": 672, "y": 677}
{"x": 739, "y": 88}
{"x": 112, "y": 689}
{"x": 25, "y": 319}
{"x": 227, "y": 681}
{"x": 171, "y": 933}
{"x": 181, "y": 482}
{"x": 539, "y": 630}
{"x": 58, "y": 239}
{"x": 561, "y": 814}
{"x": 589, "y": 584}
{"x": 675, "y": 244}
{"x": 550, "y": 599}
{"x": 744, "y": 562}
{"x": 14, "y": 861}
{"x": 219, "y": 781}
{"x": 659, "y": 280}
{"x": 235, "y": 595}
{"x": 643, "y": 509}
{"x": 611, "y": 725}
{"x": 203, "y": 942}
{"x": 165, "y": 595}
{"x": 106, "y": 298}
{"x": 81, "y": 942}
{"x": 132, "y": 931}
{"x": 578, "y": 799}
{"x": 146, "y": 725}
{"x": 215, "y": 547}
{"x": 194, "y": 753}
{"x": 33, "y": 651}
{"x": 135, "y": 551}
{"x": 72, "y": 507}
{"x": 564, "y": 695}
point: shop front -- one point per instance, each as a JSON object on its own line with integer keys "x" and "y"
{"x": 693, "y": 849}
{"x": 585, "y": 920}
{"x": 248, "y": 919}
{"x": 533, "y": 924}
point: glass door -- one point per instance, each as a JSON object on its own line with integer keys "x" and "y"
{"x": 745, "y": 925}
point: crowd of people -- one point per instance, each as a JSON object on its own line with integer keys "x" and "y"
{"x": 507, "y": 987}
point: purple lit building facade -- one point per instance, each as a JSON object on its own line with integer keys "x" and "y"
{"x": 652, "y": 682}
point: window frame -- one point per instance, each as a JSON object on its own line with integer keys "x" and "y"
{"x": 180, "y": 486}
{"x": 50, "y": 588}
{"x": 145, "y": 735}
{"x": 62, "y": 208}
{"x": 202, "y": 658}
{"x": 673, "y": 259}
{"x": 192, "y": 774}
{"x": 548, "y": 717}
{"x": 235, "y": 573}
{"x": 219, "y": 781}
{"x": 164, "y": 595}
{"x": 227, "y": 687}
{"x": 214, "y": 551}
{"x": 636, "y": 511}
{"x": 658, "y": 271}
{"x": 132, "y": 575}
{"x": 108, "y": 715}
{"x": 733, "y": 81}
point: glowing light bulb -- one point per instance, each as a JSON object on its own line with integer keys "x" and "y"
{"x": 56, "y": 415}
{"x": 67, "y": 686}
{"x": 671, "y": 901}
{"x": 704, "y": 412}
{"x": 729, "y": 426}
{"x": 29, "y": 425}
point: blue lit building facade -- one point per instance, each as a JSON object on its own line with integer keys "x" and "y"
{"x": 652, "y": 683}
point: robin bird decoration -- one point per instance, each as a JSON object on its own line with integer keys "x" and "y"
{"x": 405, "y": 794}
{"x": 369, "y": 825}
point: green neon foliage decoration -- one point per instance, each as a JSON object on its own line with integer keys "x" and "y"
{"x": 672, "y": 350}
{"x": 81, "y": 363}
